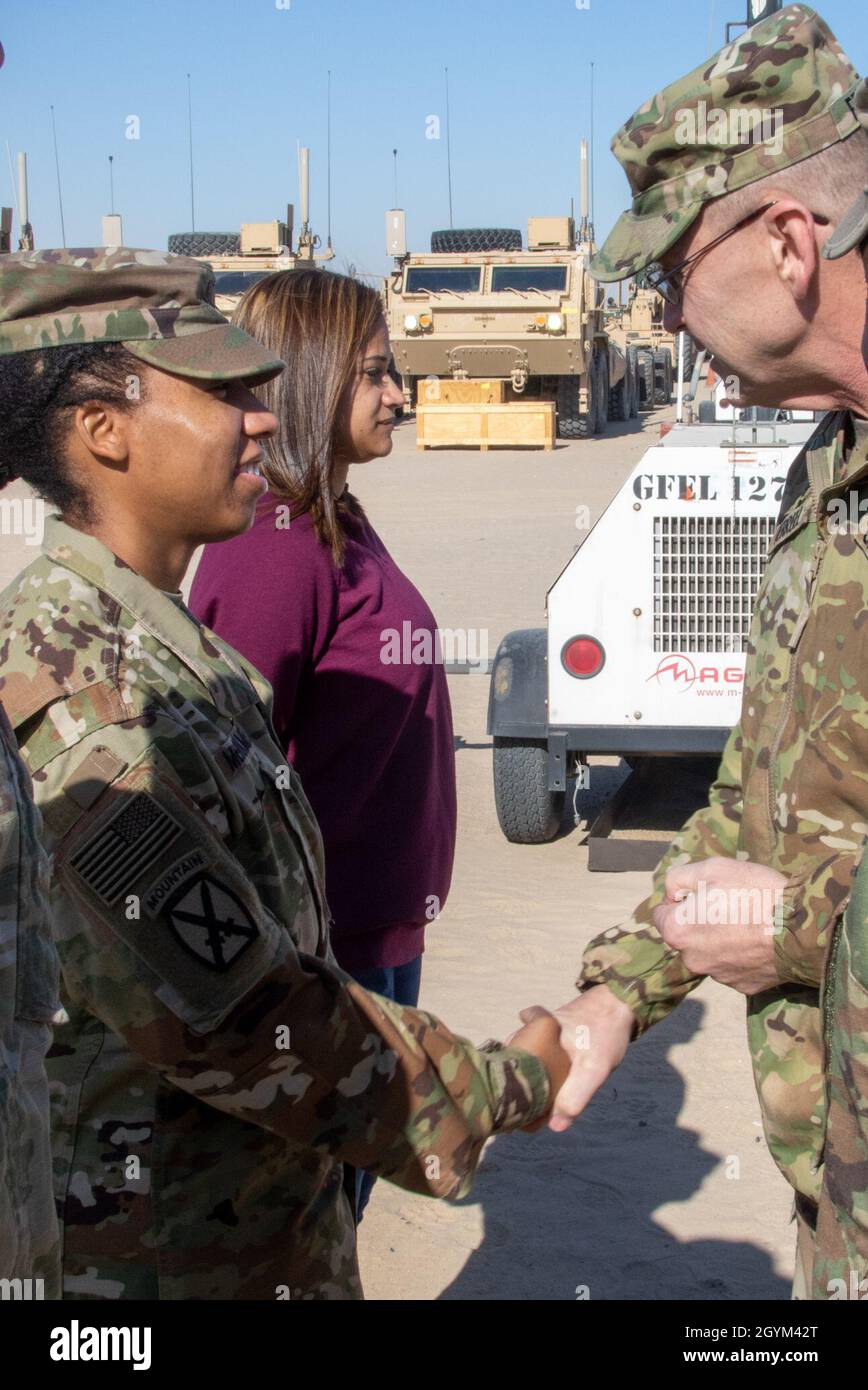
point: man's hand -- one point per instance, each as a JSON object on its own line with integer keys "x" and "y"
{"x": 541, "y": 1036}
{"x": 596, "y": 1028}
{"x": 721, "y": 915}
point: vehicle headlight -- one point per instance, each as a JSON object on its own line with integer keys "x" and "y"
{"x": 554, "y": 323}
{"x": 411, "y": 323}
{"x": 424, "y": 320}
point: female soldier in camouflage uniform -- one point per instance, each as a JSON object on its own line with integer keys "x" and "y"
{"x": 218, "y": 1068}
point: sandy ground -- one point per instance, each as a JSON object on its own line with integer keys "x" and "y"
{"x": 664, "y": 1188}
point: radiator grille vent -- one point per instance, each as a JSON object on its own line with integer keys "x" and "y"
{"x": 707, "y": 571}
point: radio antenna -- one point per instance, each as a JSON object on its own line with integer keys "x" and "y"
{"x": 59, "y": 191}
{"x": 190, "y": 136}
{"x": 329, "y": 160}
{"x": 591, "y": 160}
{"x": 448, "y": 146}
{"x": 14, "y": 184}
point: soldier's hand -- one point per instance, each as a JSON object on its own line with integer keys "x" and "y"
{"x": 596, "y": 1028}
{"x": 541, "y": 1035}
{"x": 721, "y": 915}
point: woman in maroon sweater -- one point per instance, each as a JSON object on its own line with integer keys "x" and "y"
{"x": 312, "y": 597}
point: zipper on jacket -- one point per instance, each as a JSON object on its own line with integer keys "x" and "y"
{"x": 801, "y": 622}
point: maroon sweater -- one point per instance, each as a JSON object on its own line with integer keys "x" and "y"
{"x": 371, "y": 740}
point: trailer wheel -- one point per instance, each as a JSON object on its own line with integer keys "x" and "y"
{"x": 474, "y": 239}
{"x": 571, "y": 423}
{"x": 633, "y": 382}
{"x": 204, "y": 243}
{"x": 645, "y": 364}
{"x": 529, "y": 814}
{"x": 662, "y": 376}
{"x": 602, "y": 411}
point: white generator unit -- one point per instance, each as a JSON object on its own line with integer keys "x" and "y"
{"x": 647, "y": 625}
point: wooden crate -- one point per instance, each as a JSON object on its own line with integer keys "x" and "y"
{"x": 462, "y": 392}
{"x": 530, "y": 423}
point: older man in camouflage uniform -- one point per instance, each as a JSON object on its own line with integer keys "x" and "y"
{"x": 217, "y": 1067}
{"x": 761, "y": 148}
{"x": 29, "y": 1244}
{"x": 841, "y": 1243}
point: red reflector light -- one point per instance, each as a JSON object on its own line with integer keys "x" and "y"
{"x": 665, "y": 427}
{"x": 583, "y": 657}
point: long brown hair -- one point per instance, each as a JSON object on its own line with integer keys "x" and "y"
{"x": 320, "y": 324}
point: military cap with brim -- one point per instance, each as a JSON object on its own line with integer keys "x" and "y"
{"x": 158, "y": 305}
{"x": 778, "y": 94}
{"x": 852, "y": 230}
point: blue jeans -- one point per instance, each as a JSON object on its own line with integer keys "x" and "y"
{"x": 401, "y": 983}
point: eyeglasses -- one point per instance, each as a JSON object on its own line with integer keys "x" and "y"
{"x": 670, "y": 283}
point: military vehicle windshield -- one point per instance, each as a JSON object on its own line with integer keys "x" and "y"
{"x": 529, "y": 277}
{"x": 457, "y": 279}
{"x": 237, "y": 281}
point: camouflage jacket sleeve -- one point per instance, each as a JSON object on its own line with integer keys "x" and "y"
{"x": 633, "y": 959}
{"x": 219, "y": 997}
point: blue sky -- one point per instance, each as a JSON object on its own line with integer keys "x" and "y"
{"x": 519, "y": 104}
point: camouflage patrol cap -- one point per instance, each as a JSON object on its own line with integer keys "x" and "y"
{"x": 779, "y": 93}
{"x": 853, "y": 228}
{"x": 158, "y": 305}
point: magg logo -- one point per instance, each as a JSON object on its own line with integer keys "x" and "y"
{"x": 675, "y": 670}
{"x": 678, "y": 672}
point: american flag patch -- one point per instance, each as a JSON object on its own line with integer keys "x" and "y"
{"x": 236, "y": 749}
{"x": 125, "y": 847}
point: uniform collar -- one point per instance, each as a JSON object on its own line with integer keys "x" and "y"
{"x": 168, "y": 621}
{"x": 838, "y": 453}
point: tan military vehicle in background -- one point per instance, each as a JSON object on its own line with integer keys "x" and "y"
{"x": 261, "y": 248}
{"x": 637, "y": 329}
{"x": 481, "y": 307}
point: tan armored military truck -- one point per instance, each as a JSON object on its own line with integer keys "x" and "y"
{"x": 479, "y": 306}
{"x": 637, "y": 329}
{"x": 261, "y": 248}
{"x": 238, "y": 261}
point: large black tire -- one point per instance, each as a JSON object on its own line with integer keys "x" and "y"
{"x": 645, "y": 365}
{"x": 529, "y": 814}
{"x": 706, "y": 413}
{"x": 689, "y": 357}
{"x": 619, "y": 400}
{"x": 633, "y": 381}
{"x": 601, "y": 366}
{"x": 662, "y": 376}
{"x": 204, "y": 243}
{"x": 476, "y": 239}
{"x": 571, "y": 424}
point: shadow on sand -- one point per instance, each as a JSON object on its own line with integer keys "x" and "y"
{"x": 574, "y": 1212}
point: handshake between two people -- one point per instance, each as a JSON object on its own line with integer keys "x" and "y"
{"x": 720, "y": 915}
